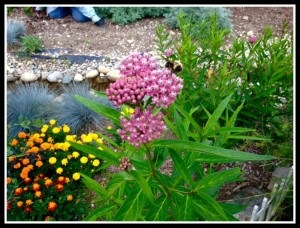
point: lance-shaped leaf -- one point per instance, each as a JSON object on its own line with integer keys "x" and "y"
{"x": 93, "y": 185}
{"x": 103, "y": 110}
{"x": 99, "y": 212}
{"x": 159, "y": 212}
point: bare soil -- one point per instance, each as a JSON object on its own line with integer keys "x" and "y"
{"x": 116, "y": 40}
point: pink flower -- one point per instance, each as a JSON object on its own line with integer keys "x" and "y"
{"x": 252, "y": 39}
{"x": 142, "y": 127}
{"x": 168, "y": 52}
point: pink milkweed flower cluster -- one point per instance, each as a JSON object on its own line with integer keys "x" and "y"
{"x": 142, "y": 127}
{"x": 163, "y": 86}
{"x": 128, "y": 89}
{"x": 137, "y": 64}
{"x": 140, "y": 77}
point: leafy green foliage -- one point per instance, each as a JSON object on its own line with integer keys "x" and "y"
{"x": 31, "y": 44}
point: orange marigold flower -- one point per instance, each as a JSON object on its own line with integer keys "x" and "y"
{"x": 59, "y": 187}
{"x": 49, "y": 218}
{"x": 60, "y": 180}
{"x": 39, "y": 140}
{"x": 38, "y": 194}
{"x": 14, "y": 142}
{"x": 67, "y": 180}
{"x": 29, "y": 202}
{"x": 17, "y": 166}
{"x": 22, "y": 135}
{"x": 25, "y": 189}
{"x": 45, "y": 146}
{"x": 30, "y": 144}
{"x": 28, "y": 209}
{"x": 30, "y": 167}
{"x": 8, "y": 180}
{"x": 25, "y": 161}
{"x": 18, "y": 191}
{"x": 38, "y": 157}
{"x": 36, "y": 187}
{"x": 69, "y": 197}
{"x": 34, "y": 150}
{"x": 39, "y": 163}
{"x": 11, "y": 158}
{"x": 20, "y": 204}
{"x": 27, "y": 180}
{"x": 48, "y": 182}
{"x": 8, "y": 206}
{"x": 52, "y": 206}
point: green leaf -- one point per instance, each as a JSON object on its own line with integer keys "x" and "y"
{"x": 109, "y": 140}
{"x": 132, "y": 206}
{"x": 99, "y": 93}
{"x": 247, "y": 137}
{"x": 159, "y": 212}
{"x": 208, "y": 208}
{"x": 183, "y": 207}
{"x": 107, "y": 155}
{"x": 143, "y": 184}
{"x": 229, "y": 129}
{"x": 99, "y": 212}
{"x": 115, "y": 183}
{"x": 231, "y": 155}
{"x": 101, "y": 109}
{"x": 93, "y": 185}
{"x": 212, "y": 121}
{"x": 181, "y": 167}
{"x": 179, "y": 126}
{"x": 213, "y": 182}
{"x": 189, "y": 117}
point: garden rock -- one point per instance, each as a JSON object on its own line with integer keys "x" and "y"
{"x": 78, "y": 77}
{"x": 113, "y": 75}
{"x": 277, "y": 176}
{"x": 28, "y": 77}
{"x": 92, "y": 74}
{"x": 103, "y": 69}
{"x": 56, "y": 76}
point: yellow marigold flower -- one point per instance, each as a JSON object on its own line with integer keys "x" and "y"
{"x": 87, "y": 138}
{"x": 67, "y": 180}
{"x": 17, "y": 166}
{"x": 14, "y": 142}
{"x": 66, "y": 129}
{"x": 25, "y": 161}
{"x": 44, "y": 130}
{"x": 30, "y": 144}
{"x": 91, "y": 156}
{"x": 69, "y": 197}
{"x": 59, "y": 170}
{"x": 65, "y": 146}
{"x": 109, "y": 127}
{"x": 8, "y": 180}
{"x": 100, "y": 148}
{"x": 52, "y": 160}
{"x": 20, "y": 204}
{"x": 29, "y": 202}
{"x": 52, "y": 121}
{"x": 96, "y": 162}
{"x": 84, "y": 159}
{"x": 22, "y": 135}
{"x": 79, "y": 142}
{"x": 11, "y": 158}
{"x": 76, "y": 176}
{"x": 99, "y": 141}
{"x": 64, "y": 161}
{"x": 70, "y": 138}
{"x": 69, "y": 156}
{"x": 39, "y": 164}
{"x": 38, "y": 194}
{"x": 94, "y": 136}
{"x": 50, "y": 140}
{"x": 56, "y": 130}
{"x": 42, "y": 134}
{"x": 36, "y": 135}
{"x": 75, "y": 154}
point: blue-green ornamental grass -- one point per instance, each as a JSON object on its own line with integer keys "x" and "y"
{"x": 15, "y": 29}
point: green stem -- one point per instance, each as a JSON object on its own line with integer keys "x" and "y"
{"x": 153, "y": 171}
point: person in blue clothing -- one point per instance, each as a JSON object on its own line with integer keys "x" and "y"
{"x": 79, "y": 14}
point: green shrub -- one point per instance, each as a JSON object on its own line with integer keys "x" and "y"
{"x": 31, "y": 44}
